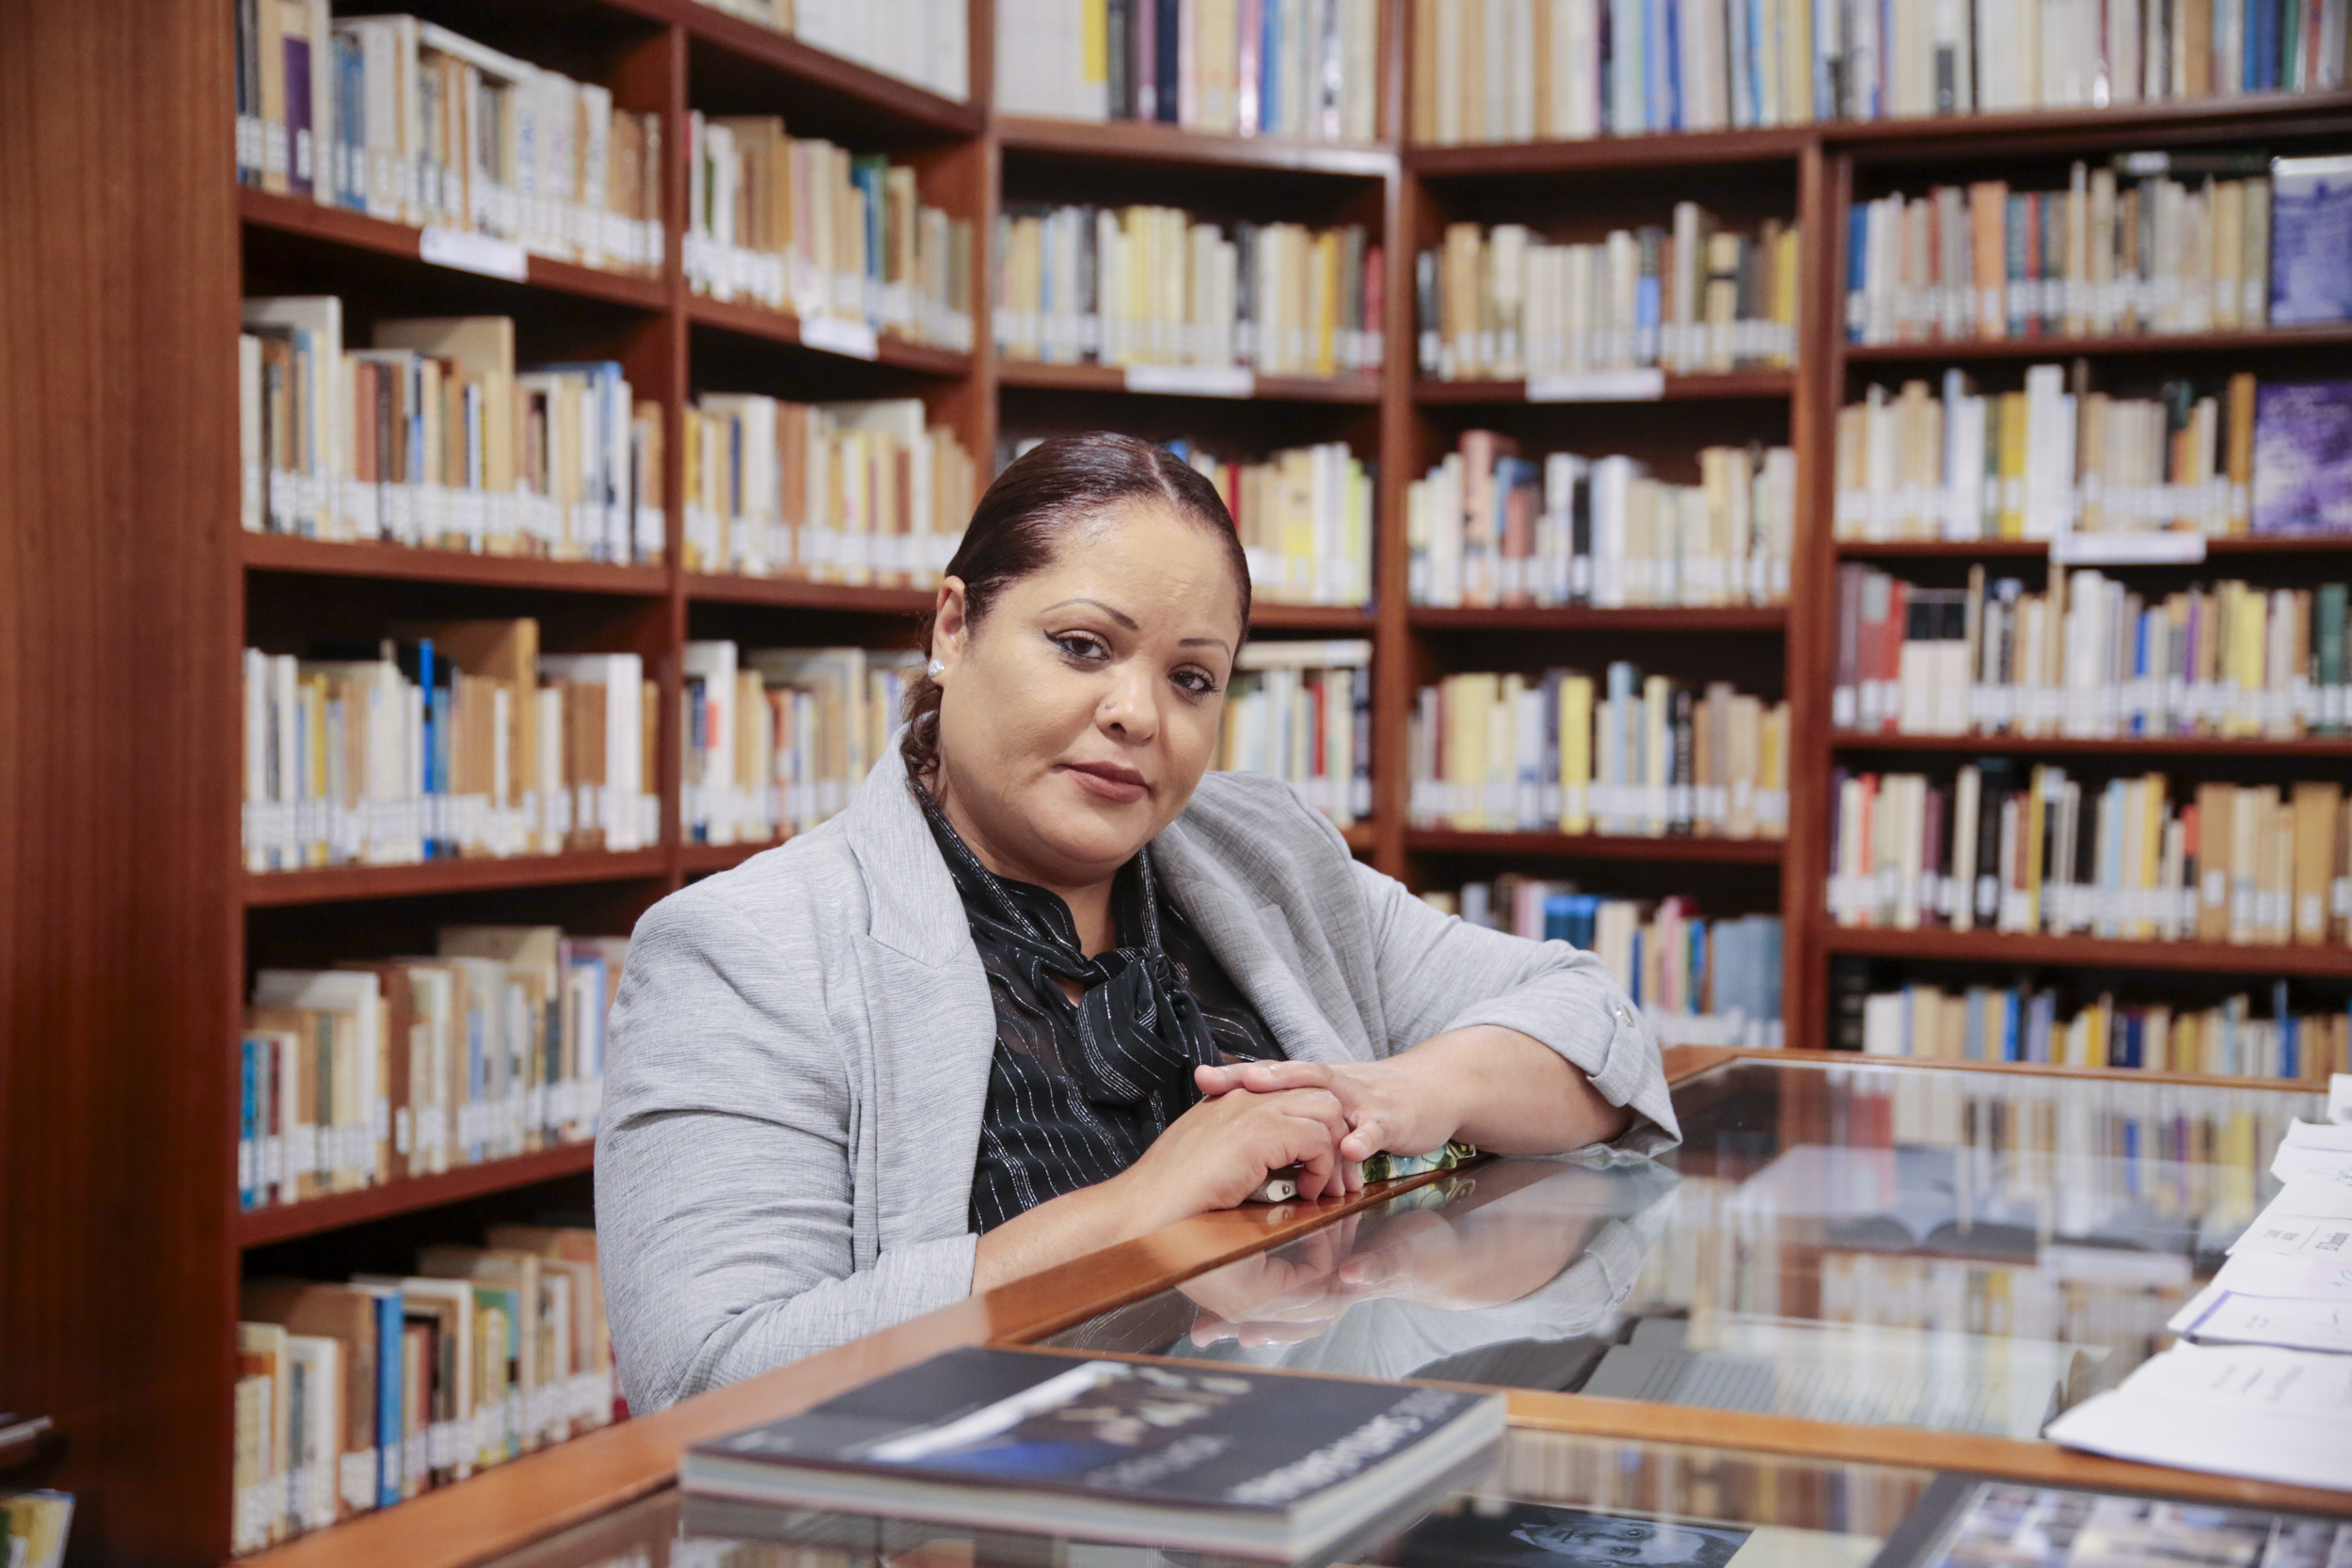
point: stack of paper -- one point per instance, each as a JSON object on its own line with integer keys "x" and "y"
{"x": 2261, "y": 1384}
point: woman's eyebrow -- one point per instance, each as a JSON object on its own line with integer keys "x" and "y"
{"x": 1207, "y": 642}
{"x": 1123, "y": 619}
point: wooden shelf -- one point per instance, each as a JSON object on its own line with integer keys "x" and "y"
{"x": 2039, "y": 1070}
{"x": 339, "y": 226}
{"x": 696, "y": 860}
{"x": 2145, "y": 746}
{"x": 2151, "y": 343}
{"x": 329, "y": 885}
{"x": 1922, "y": 138}
{"x": 782, "y": 326}
{"x": 1346, "y": 620}
{"x": 902, "y": 104}
{"x": 1697, "y": 387}
{"x": 1668, "y": 618}
{"x": 1029, "y": 374}
{"x": 1603, "y": 155}
{"x": 1150, "y": 141}
{"x": 799, "y": 593}
{"x": 282, "y": 552}
{"x": 1360, "y": 836}
{"x": 1682, "y": 848}
{"x": 1969, "y": 550}
{"x": 283, "y": 1222}
{"x": 2208, "y": 958}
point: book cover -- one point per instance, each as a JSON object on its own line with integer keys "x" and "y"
{"x": 2311, "y": 226}
{"x": 2303, "y": 457}
{"x": 1171, "y": 1455}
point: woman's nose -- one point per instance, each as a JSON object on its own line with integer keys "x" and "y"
{"x": 1128, "y": 706}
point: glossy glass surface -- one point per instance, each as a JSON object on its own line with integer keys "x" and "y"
{"x": 1556, "y": 1499}
{"x": 1908, "y": 1246}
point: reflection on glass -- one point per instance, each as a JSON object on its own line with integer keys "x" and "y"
{"x": 1584, "y": 1487}
{"x": 1967, "y": 1252}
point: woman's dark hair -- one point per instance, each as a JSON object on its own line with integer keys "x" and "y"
{"x": 1015, "y": 532}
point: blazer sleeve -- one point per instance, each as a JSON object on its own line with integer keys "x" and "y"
{"x": 1437, "y": 973}
{"x": 723, "y": 1201}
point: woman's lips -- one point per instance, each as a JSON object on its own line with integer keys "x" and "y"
{"x": 1108, "y": 780}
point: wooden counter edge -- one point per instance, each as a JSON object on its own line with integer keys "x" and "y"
{"x": 1834, "y": 1442}
{"x": 505, "y": 1509}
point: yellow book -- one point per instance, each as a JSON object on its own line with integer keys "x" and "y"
{"x": 2012, "y": 474}
{"x": 1576, "y": 753}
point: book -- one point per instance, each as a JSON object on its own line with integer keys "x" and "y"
{"x": 1302, "y": 711}
{"x": 2302, "y": 479}
{"x": 1487, "y": 751}
{"x": 1698, "y": 981}
{"x": 803, "y": 225}
{"x": 2094, "y": 658}
{"x": 2040, "y": 1024}
{"x": 1972, "y": 1519}
{"x": 1485, "y": 1533}
{"x": 1146, "y": 286}
{"x": 1300, "y": 69}
{"x": 2311, "y": 199}
{"x": 352, "y": 113}
{"x": 34, "y": 1526}
{"x": 869, "y": 493}
{"x": 1488, "y": 527}
{"x": 1507, "y": 304}
{"x": 1255, "y": 1463}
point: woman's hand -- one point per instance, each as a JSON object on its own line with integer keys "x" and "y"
{"x": 1212, "y": 1157}
{"x": 1506, "y": 1092}
{"x": 1216, "y": 1153}
{"x": 1393, "y": 1105}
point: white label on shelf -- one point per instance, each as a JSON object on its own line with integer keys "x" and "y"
{"x": 1640, "y": 386}
{"x": 1198, "y": 381}
{"x": 836, "y": 336}
{"x": 2126, "y": 549}
{"x": 455, "y": 247}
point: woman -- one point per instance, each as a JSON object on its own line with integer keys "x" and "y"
{"x": 973, "y": 1027}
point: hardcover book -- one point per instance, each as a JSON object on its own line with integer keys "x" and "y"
{"x": 1259, "y": 1464}
{"x": 2311, "y": 226}
{"x": 2303, "y": 457}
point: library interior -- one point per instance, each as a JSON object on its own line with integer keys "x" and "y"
{"x": 1796, "y": 562}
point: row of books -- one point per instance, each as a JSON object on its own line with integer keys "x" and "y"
{"x": 1157, "y": 285}
{"x": 799, "y": 224}
{"x": 447, "y": 739}
{"x": 2089, "y": 658}
{"x": 372, "y": 1072}
{"x": 1634, "y": 755}
{"x": 2131, "y": 860}
{"x": 1500, "y": 302}
{"x": 1301, "y": 69}
{"x": 1489, "y": 527}
{"x": 866, "y": 492}
{"x": 1305, "y": 517}
{"x": 2113, "y": 254}
{"x": 1698, "y": 981}
{"x": 406, "y": 120}
{"x": 353, "y": 1397}
{"x": 2012, "y": 1023}
{"x": 1301, "y": 710}
{"x": 777, "y": 739}
{"x": 433, "y": 438}
{"x": 923, "y": 41}
{"x": 2059, "y": 458}
{"x": 1505, "y": 71}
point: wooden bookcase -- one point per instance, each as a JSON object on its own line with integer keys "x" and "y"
{"x": 132, "y": 929}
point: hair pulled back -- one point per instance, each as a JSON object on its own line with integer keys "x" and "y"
{"x": 1019, "y": 524}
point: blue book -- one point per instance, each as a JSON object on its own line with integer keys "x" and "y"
{"x": 248, "y": 1124}
{"x": 1674, "y": 63}
{"x": 1633, "y": 981}
{"x": 1858, "y": 268}
{"x": 1164, "y": 59}
{"x": 2303, "y": 457}
{"x": 2011, "y": 1044}
{"x": 1270, "y": 73}
{"x": 1658, "y": 64}
{"x": 2310, "y": 213}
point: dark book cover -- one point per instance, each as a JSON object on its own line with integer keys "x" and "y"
{"x": 1539, "y": 1535}
{"x": 1166, "y": 60}
{"x": 988, "y": 1436}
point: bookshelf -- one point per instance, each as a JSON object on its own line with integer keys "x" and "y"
{"x": 125, "y": 839}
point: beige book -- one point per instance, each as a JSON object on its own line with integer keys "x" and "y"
{"x": 2315, "y": 808}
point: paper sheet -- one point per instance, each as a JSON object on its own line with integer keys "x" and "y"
{"x": 2244, "y": 1410}
{"x": 2264, "y": 1274}
{"x": 2340, "y": 1097}
{"x": 2242, "y": 1319}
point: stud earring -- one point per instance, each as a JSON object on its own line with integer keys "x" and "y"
{"x": 935, "y": 669}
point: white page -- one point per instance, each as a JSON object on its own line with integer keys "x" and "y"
{"x": 2243, "y": 1319}
{"x": 2307, "y": 1163}
{"x": 2270, "y": 1274}
{"x": 2340, "y": 1097}
{"x": 2246, "y": 1410}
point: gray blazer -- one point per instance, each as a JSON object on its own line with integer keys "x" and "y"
{"x": 799, "y": 1059}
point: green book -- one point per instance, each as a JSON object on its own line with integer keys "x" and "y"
{"x": 2328, "y": 617}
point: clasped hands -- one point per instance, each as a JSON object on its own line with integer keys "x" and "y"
{"x": 1344, "y": 1111}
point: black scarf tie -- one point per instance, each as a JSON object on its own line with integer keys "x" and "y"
{"x": 1141, "y": 1031}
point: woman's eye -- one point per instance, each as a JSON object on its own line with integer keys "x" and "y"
{"x": 1079, "y": 644}
{"x": 1198, "y": 682}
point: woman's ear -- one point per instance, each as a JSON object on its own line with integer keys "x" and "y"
{"x": 951, "y": 626}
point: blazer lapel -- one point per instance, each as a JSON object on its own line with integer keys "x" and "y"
{"x": 1253, "y": 940}
{"x": 933, "y": 1024}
